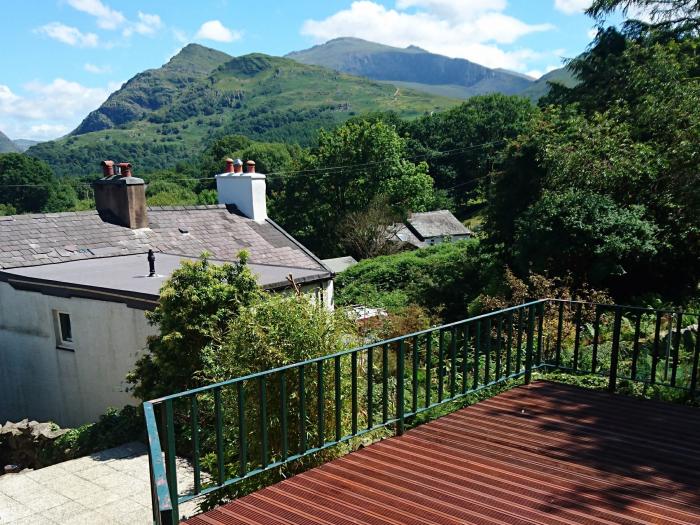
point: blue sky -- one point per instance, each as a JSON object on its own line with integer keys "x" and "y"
{"x": 62, "y": 58}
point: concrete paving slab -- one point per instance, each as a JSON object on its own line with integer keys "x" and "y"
{"x": 110, "y": 487}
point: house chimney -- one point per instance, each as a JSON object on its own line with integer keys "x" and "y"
{"x": 244, "y": 190}
{"x": 121, "y": 198}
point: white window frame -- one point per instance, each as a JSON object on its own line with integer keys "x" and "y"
{"x": 61, "y": 342}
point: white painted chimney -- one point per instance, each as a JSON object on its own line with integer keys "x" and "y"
{"x": 245, "y": 190}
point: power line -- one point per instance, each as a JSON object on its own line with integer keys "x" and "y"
{"x": 328, "y": 169}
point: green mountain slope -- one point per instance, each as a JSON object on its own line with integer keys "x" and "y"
{"x": 165, "y": 116}
{"x": 6, "y": 145}
{"x": 412, "y": 67}
{"x": 154, "y": 88}
{"x": 540, "y": 88}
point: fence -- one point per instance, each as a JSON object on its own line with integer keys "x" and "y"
{"x": 248, "y": 425}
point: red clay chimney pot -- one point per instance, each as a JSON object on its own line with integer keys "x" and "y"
{"x": 124, "y": 169}
{"x": 229, "y": 166}
{"x": 107, "y": 168}
{"x": 250, "y": 165}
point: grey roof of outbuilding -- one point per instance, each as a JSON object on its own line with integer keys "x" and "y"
{"x": 438, "y": 223}
{"x": 187, "y": 231}
{"x": 339, "y": 264}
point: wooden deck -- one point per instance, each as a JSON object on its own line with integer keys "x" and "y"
{"x": 540, "y": 454}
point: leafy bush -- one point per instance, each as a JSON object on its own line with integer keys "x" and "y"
{"x": 114, "y": 428}
{"x": 442, "y": 278}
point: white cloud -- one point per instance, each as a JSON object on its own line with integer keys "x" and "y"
{"x": 215, "y": 30}
{"x": 48, "y": 111}
{"x": 455, "y": 28}
{"x": 107, "y": 18}
{"x": 68, "y": 35}
{"x": 456, "y": 8}
{"x": 571, "y": 7}
{"x": 98, "y": 70}
{"x": 147, "y": 25}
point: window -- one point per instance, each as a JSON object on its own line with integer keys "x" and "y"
{"x": 64, "y": 330}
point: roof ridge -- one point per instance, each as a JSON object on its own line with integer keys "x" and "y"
{"x": 187, "y": 207}
{"x": 48, "y": 214}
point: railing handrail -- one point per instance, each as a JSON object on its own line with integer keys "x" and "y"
{"x": 625, "y": 306}
{"x": 255, "y": 375}
{"x": 164, "y": 491}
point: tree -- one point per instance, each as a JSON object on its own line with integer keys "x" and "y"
{"x": 27, "y": 183}
{"x": 195, "y": 308}
{"x": 370, "y": 232}
{"x": 473, "y": 136}
{"x": 352, "y": 165}
{"x": 582, "y": 234}
{"x": 678, "y": 16}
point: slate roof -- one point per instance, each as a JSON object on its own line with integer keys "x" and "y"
{"x": 438, "y": 223}
{"x": 36, "y": 239}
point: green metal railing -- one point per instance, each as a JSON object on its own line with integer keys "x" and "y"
{"x": 240, "y": 428}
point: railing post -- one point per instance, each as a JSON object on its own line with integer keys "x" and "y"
{"x": 696, "y": 359}
{"x": 399, "y": 388}
{"x": 615, "y": 354}
{"x": 560, "y": 328}
{"x": 530, "y": 344}
{"x": 596, "y": 335}
{"x": 171, "y": 465}
{"x": 676, "y": 346}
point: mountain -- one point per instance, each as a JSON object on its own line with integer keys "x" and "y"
{"x": 25, "y": 144}
{"x": 168, "y": 115}
{"x": 412, "y": 67}
{"x": 540, "y": 87}
{"x": 6, "y": 145}
{"x": 154, "y": 88}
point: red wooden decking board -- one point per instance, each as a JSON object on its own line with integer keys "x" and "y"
{"x": 543, "y": 454}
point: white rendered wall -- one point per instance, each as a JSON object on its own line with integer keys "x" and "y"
{"x": 39, "y": 381}
{"x": 246, "y": 191}
{"x": 42, "y": 382}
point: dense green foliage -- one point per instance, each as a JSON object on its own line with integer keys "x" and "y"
{"x": 463, "y": 144}
{"x": 28, "y": 185}
{"x": 442, "y": 278}
{"x": 195, "y": 307}
{"x": 584, "y": 234}
{"x": 352, "y": 166}
{"x": 627, "y": 136}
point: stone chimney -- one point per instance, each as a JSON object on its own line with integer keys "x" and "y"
{"x": 244, "y": 190}
{"x": 120, "y": 197}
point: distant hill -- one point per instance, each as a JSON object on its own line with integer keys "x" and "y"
{"x": 540, "y": 87}
{"x": 6, "y": 145}
{"x": 168, "y": 115}
{"x": 412, "y": 67}
{"x": 25, "y": 144}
